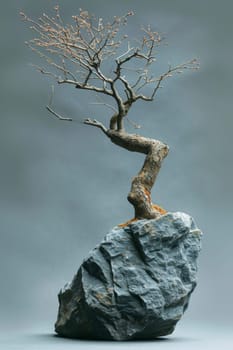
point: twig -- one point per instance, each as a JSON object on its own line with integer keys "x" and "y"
{"x": 58, "y": 115}
{"x": 77, "y": 54}
{"x": 105, "y": 104}
{"x": 48, "y": 107}
{"x": 135, "y": 125}
{"x": 125, "y": 53}
{"x": 97, "y": 124}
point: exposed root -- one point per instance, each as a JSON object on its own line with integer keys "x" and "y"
{"x": 155, "y": 207}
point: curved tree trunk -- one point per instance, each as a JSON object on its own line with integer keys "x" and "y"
{"x": 140, "y": 193}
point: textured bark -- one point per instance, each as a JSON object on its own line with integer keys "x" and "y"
{"x": 140, "y": 193}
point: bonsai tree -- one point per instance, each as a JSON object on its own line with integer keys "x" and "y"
{"x": 90, "y": 54}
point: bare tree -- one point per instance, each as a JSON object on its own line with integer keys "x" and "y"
{"x": 82, "y": 54}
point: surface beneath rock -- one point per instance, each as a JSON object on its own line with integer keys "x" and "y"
{"x": 135, "y": 284}
{"x": 213, "y": 335}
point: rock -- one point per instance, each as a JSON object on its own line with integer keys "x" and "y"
{"x": 135, "y": 284}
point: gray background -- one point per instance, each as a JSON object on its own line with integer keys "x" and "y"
{"x": 63, "y": 185}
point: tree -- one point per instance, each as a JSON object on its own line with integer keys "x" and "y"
{"x": 82, "y": 54}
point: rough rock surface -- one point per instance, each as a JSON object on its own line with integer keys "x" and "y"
{"x": 135, "y": 284}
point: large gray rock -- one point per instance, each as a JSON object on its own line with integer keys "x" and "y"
{"x": 135, "y": 284}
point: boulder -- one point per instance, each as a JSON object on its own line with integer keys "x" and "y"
{"x": 136, "y": 284}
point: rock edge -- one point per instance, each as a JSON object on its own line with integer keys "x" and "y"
{"x": 136, "y": 284}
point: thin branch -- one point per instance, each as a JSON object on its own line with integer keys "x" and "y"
{"x": 43, "y": 71}
{"x": 127, "y": 58}
{"x": 105, "y": 104}
{"x": 58, "y": 115}
{"x": 49, "y": 108}
{"x": 86, "y": 87}
{"x": 77, "y": 54}
{"x": 137, "y": 81}
{"x": 51, "y": 96}
{"x": 124, "y": 54}
{"x": 128, "y": 88}
{"x": 193, "y": 64}
{"x": 135, "y": 125}
{"x": 97, "y": 124}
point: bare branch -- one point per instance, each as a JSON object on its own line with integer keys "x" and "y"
{"x": 49, "y": 108}
{"x": 193, "y": 64}
{"x": 135, "y": 125}
{"x": 58, "y": 115}
{"x": 86, "y": 86}
{"x": 80, "y": 54}
{"x": 97, "y": 124}
{"x": 51, "y": 96}
{"x": 129, "y": 89}
{"x": 127, "y": 58}
{"x": 124, "y": 54}
{"x": 105, "y": 104}
{"x": 43, "y": 71}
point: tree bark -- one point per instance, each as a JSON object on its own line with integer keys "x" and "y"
{"x": 140, "y": 193}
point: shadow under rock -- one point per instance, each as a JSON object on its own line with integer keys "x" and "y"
{"x": 51, "y": 337}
